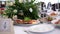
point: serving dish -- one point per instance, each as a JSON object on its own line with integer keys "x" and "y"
{"x": 21, "y": 23}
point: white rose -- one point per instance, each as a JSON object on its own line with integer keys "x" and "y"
{"x": 15, "y": 11}
{"x": 15, "y": 17}
{"x": 30, "y": 9}
{"x": 10, "y": 3}
{"x": 24, "y": 1}
{"x": 14, "y": 2}
{"x": 29, "y": 0}
{"x": 21, "y": 1}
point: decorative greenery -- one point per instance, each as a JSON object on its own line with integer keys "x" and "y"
{"x": 24, "y": 9}
{"x": 9, "y": 12}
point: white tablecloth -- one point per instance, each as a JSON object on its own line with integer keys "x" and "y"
{"x": 20, "y": 30}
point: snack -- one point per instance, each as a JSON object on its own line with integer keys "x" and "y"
{"x": 19, "y": 21}
{"x": 58, "y": 22}
{"x": 53, "y": 14}
{"x": 32, "y": 21}
{"x": 49, "y": 18}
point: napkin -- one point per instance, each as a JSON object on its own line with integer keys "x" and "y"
{"x": 6, "y": 26}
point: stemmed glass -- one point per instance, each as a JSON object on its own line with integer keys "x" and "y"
{"x": 49, "y": 7}
{"x": 57, "y": 7}
{"x": 43, "y": 14}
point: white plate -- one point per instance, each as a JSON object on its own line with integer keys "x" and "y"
{"x": 41, "y": 28}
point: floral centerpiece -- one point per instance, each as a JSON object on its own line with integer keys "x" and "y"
{"x": 26, "y": 11}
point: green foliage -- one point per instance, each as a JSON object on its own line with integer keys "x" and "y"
{"x": 26, "y": 19}
{"x": 25, "y": 9}
{"x": 9, "y": 13}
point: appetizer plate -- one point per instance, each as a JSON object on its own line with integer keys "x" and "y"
{"x": 41, "y": 28}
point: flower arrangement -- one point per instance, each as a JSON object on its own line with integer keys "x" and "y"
{"x": 24, "y": 9}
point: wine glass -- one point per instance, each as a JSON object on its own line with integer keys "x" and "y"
{"x": 43, "y": 14}
{"x": 57, "y": 8}
{"x": 49, "y": 7}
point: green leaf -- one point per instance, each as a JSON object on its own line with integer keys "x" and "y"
{"x": 26, "y": 19}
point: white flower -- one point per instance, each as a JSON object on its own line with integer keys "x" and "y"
{"x": 24, "y": 1}
{"x": 14, "y": 2}
{"x": 29, "y": 0}
{"x": 15, "y": 17}
{"x": 30, "y": 9}
{"x": 9, "y": 3}
{"x": 15, "y": 11}
{"x": 21, "y": 1}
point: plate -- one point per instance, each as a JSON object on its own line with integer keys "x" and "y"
{"x": 26, "y": 24}
{"x": 41, "y": 28}
{"x": 22, "y": 24}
